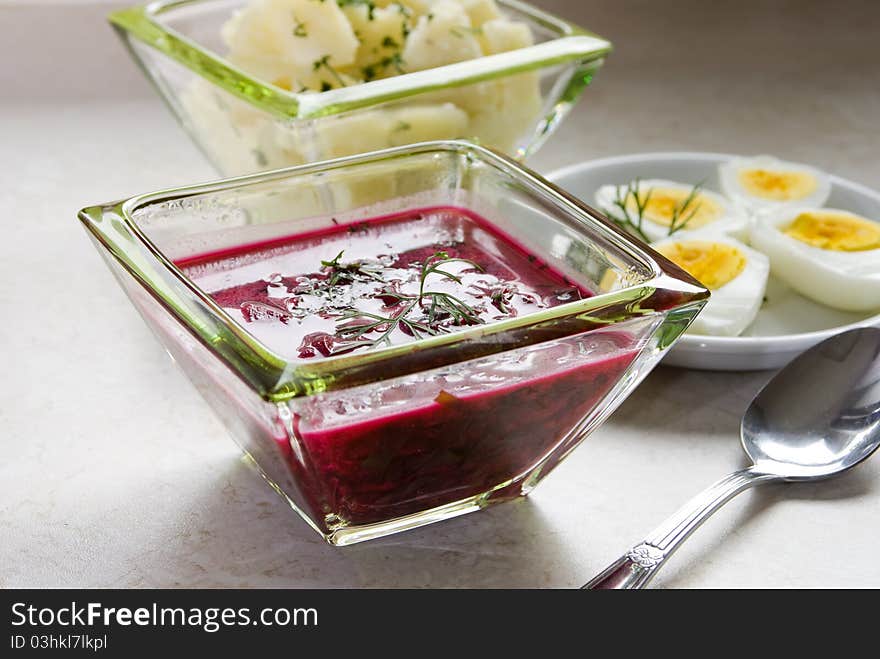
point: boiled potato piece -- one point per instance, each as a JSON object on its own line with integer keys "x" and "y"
{"x": 416, "y": 7}
{"x": 444, "y": 36}
{"x": 422, "y": 123}
{"x": 239, "y": 138}
{"x": 501, "y": 35}
{"x": 382, "y": 33}
{"x": 480, "y": 11}
{"x": 255, "y": 46}
{"x": 353, "y": 133}
{"x": 379, "y": 129}
{"x": 517, "y": 99}
{"x": 295, "y": 43}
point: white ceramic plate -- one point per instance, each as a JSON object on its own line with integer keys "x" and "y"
{"x": 787, "y": 323}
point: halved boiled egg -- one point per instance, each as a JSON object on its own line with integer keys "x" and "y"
{"x": 765, "y": 183}
{"x": 735, "y": 275}
{"x": 667, "y": 205}
{"x": 828, "y": 255}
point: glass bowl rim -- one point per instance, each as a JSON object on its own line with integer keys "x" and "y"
{"x": 574, "y": 44}
{"x": 290, "y": 378}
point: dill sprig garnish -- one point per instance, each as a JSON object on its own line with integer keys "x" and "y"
{"x": 371, "y": 6}
{"x": 633, "y": 222}
{"x": 621, "y": 204}
{"x": 432, "y": 264}
{"x": 679, "y": 217}
{"x": 350, "y": 272}
{"x": 324, "y": 62}
{"x": 361, "y": 323}
{"x": 437, "y": 307}
{"x": 372, "y": 70}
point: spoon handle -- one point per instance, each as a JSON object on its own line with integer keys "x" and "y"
{"x": 639, "y": 565}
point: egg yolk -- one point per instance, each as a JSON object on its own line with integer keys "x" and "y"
{"x": 778, "y": 186}
{"x": 712, "y": 264}
{"x": 664, "y": 203}
{"x": 835, "y": 231}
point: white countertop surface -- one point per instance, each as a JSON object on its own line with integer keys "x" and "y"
{"x": 114, "y": 472}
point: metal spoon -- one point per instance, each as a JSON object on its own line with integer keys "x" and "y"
{"x": 818, "y": 417}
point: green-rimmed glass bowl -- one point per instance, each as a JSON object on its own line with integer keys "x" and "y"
{"x": 369, "y": 443}
{"x": 510, "y": 101}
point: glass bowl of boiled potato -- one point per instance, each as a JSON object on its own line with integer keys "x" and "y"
{"x": 262, "y": 84}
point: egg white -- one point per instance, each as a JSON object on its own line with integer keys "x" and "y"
{"x": 849, "y": 281}
{"x": 730, "y": 185}
{"x": 731, "y": 221}
{"x": 732, "y": 307}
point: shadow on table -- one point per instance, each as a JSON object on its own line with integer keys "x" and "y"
{"x": 689, "y": 402}
{"x": 710, "y": 404}
{"x": 859, "y": 482}
{"x": 242, "y": 535}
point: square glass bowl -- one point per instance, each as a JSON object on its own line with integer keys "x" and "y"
{"x": 370, "y": 443}
{"x": 510, "y": 101}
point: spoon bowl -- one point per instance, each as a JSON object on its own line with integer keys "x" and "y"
{"x": 818, "y": 417}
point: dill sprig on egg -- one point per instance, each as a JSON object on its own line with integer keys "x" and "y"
{"x": 632, "y": 221}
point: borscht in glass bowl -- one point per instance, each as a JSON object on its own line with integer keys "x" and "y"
{"x": 398, "y": 337}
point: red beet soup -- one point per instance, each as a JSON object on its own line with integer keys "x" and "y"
{"x": 381, "y": 451}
